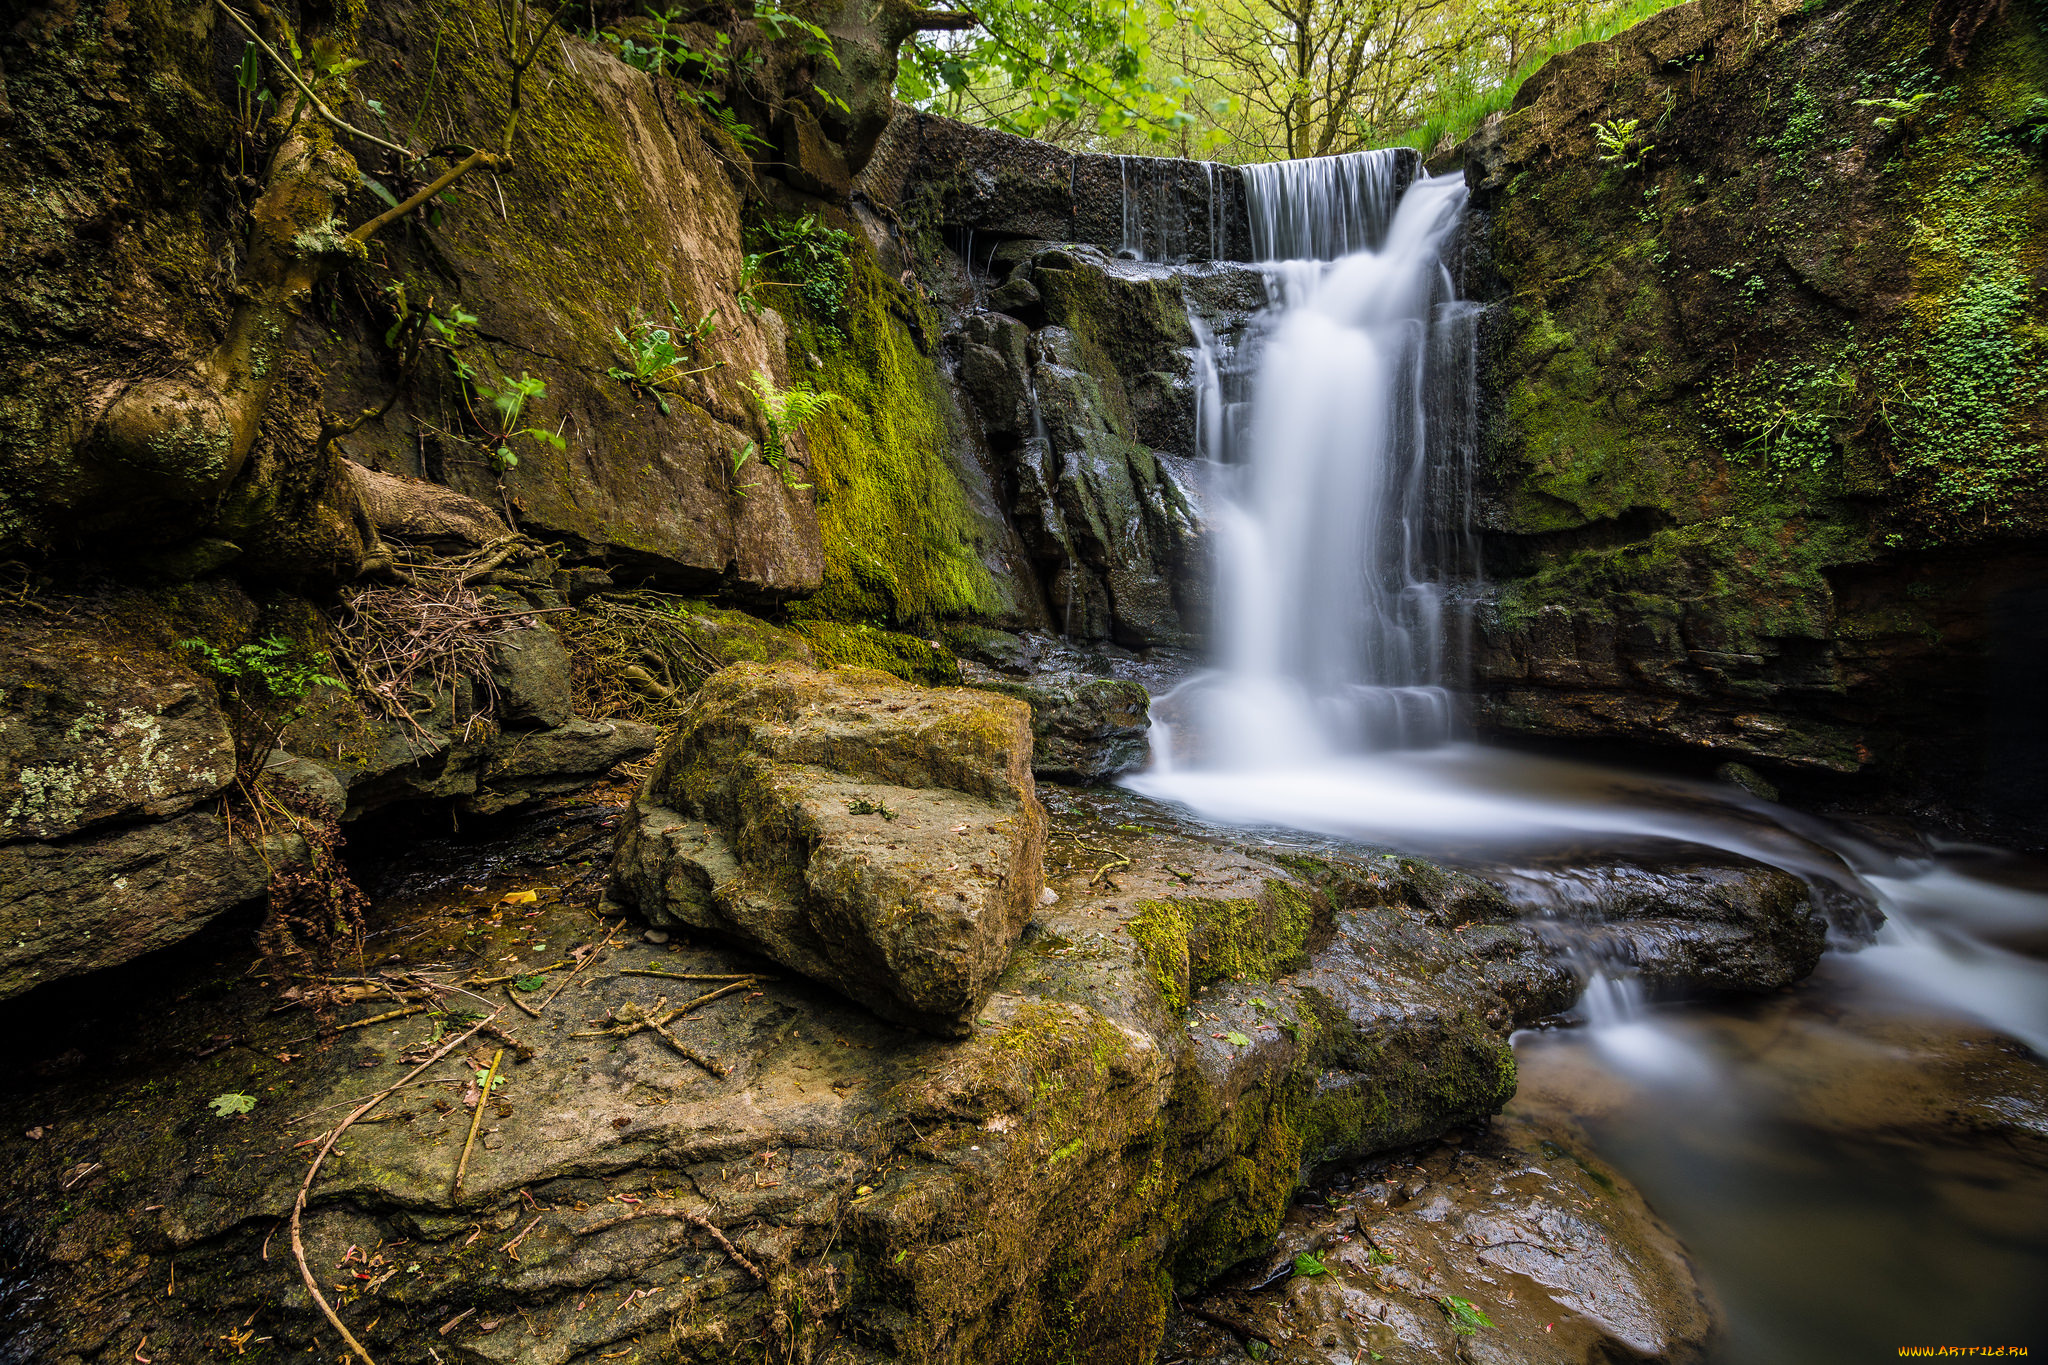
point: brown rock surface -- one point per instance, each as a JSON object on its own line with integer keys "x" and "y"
{"x": 883, "y": 838}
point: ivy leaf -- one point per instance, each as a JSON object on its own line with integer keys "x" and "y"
{"x": 1237, "y": 1040}
{"x": 233, "y": 1102}
{"x": 530, "y": 983}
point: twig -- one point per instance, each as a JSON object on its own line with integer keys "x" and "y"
{"x": 380, "y": 1018}
{"x": 695, "y": 1220}
{"x": 299, "y": 1205}
{"x": 482, "y": 1102}
{"x": 511, "y": 1248}
{"x": 306, "y": 89}
{"x": 657, "y": 1022}
{"x": 512, "y": 994}
{"x": 479, "y": 157}
{"x": 694, "y": 976}
{"x": 515, "y": 976}
{"x": 588, "y": 958}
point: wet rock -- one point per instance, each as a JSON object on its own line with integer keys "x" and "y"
{"x": 1517, "y": 1248}
{"x": 1734, "y": 926}
{"x": 1020, "y": 299}
{"x": 881, "y": 838}
{"x": 1083, "y": 729}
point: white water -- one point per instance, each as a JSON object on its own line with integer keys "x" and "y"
{"x": 1342, "y": 556}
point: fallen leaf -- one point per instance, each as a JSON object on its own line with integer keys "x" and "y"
{"x": 519, "y": 898}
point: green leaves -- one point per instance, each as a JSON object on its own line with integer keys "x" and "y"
{"x": 530, "y": 983}
{"x": 234, "y": 1102}
{"x": 269, "y": 663}
{"x": 1078, "y": 62}
{"x": 785, "y": 411}
{"x": 1307, "y": 1264}
{"x": 1237, "y": 1040}
{"x": 509, "y": 397}
{"x": 1464, "y": 1317}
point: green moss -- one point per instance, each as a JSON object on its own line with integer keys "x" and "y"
{"x": 902, "y": 544}
{"x": 905, "y": 656}
{"x": 1191, "y": 942}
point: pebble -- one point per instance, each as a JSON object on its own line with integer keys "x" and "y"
{"x": 655, "y": 936}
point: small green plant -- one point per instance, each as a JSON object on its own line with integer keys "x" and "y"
{"x": 658, "y": 353}
{"x": 785, "y": 411}
{"x": 1619, "y": 144}
{"x": 813, "y": 257}
{"x": 861, "y": 805}
{"x": 270, "y": 663}
{"x": 508, "y": 398}
{"x": 1309, "y": 1265}
{"x": 1377, "y": 1257}
{"x": 1465, "y": 1318}
{"x": 530, "y": 983}
{"x": 232, "y": 1103}
{"x": 1896, "y": 111}
{"x": 1236, "y": 1039}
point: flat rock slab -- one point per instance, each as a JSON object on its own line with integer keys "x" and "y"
{"x": 881, "y": 838}
{"x": 1135, "y": 1107}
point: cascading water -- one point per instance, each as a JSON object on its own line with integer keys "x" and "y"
{"x": 1343, "y": 424}
{"x": 1342, "y": 535}
{"x": 1343, "y": 552}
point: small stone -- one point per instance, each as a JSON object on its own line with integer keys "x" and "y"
{"x": 34, "y": 1135}
{"x": 1048, "y": 897}
{"x": 655, "y": 936}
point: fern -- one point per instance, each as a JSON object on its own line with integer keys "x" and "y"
{"x": 786, "y": 411}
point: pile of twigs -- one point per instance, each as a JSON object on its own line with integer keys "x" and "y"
{"x": 636, "y": 654}
{"x": 406, "y": 644}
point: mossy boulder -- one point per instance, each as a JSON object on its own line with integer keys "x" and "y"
{"x": 883, "y": 839}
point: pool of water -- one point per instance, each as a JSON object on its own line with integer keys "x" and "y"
{"x": 1850, "y": 1175}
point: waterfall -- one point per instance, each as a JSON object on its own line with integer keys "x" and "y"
{"x": 1344, "y": 531}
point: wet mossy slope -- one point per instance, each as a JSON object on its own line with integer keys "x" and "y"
{"x": 1767, "y": 447}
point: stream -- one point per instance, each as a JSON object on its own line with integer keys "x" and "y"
{"x": 1855, "y": 1164}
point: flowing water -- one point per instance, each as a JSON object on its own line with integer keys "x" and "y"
{"x": 1344, "y": 567}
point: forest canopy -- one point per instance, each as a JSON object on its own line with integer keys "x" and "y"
{"x": 1246, "y": 80}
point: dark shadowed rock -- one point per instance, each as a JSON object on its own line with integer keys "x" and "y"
{"x": 96, "y": 900}
{"x": 1083, "y": 729}
{"x": 879, "y": 837}
{"x": 101, "y": 724}
{"x": 1734, "y": 926}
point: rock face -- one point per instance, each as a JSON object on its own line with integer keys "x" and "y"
{"x": 117, "y": 755}
{"x": 100, "y": 727}
{"x": 109, "y": 740}
{"x": 1753, "y": 494}
{"x": 1083, "y": 729}
{"x": 938, "y": 170}
{"x": 883, "y": 839}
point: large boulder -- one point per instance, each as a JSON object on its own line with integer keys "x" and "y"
{"x": 882, "y": 838}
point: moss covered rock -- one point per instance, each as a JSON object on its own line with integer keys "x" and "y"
{"x": 885, "y": 840}
{"x": 1766, "y": 450}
